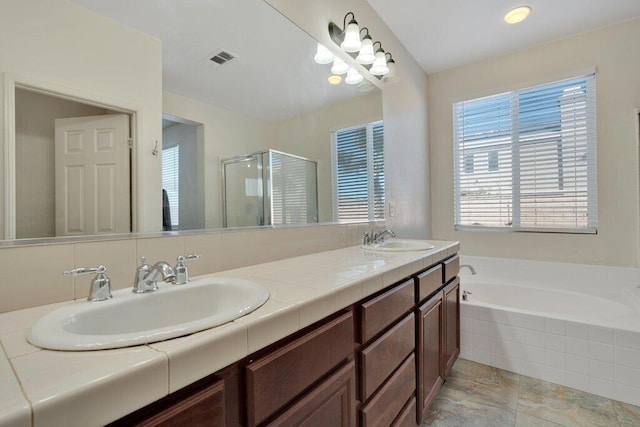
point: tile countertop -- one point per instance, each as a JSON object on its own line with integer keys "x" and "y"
{"x": 42, "y": 387}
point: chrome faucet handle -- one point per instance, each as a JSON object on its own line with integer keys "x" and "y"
{"x": 139, "y": 284}
{"x": 182, "y": 274}
{"x": 100, "y": 289}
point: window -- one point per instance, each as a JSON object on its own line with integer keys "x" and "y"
{"x": 358, "y": 173}
{"x": 535, "y": 159}
{"x": 171, "y": 181}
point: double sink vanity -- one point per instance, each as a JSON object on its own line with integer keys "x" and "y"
{"x": 354, "y": 336}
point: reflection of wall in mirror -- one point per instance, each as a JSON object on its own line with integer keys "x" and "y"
{"x": 35, "y": 162}
{"x": 60, "y": 43}
{"x": 228, "y": 134}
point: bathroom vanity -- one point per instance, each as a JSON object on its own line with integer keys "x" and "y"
{"x": 347, "y": 337}
{"x": 380, "y": 361}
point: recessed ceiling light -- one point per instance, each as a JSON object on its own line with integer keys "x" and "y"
{"x": 517, "y": 15}
{"x": 334, "y": 80}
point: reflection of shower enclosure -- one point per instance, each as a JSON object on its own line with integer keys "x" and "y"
{"x": 269, "y": 188}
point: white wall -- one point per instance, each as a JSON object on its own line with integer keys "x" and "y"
{"x": 59, "y": 43}
{"x": 310, "y": 136}
{"x": 404, "y": 106}
{"x": 614, "y": 53}
{"x": 35, "y": 159}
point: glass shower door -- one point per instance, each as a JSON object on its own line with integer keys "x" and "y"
{"x": 243, "y": 192}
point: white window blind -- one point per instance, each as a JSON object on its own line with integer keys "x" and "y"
{"x": 171, "y": 181}
{"x": 359, "y": 173}
{"x": 526, "y": 160}
{"x": 294, "y": 195}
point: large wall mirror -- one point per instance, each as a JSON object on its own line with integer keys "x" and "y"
{"x": 250, "y": 126}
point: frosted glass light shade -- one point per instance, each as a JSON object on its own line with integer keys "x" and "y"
{"x": 351, "y": 42}
{"x": 366, "y": 55}
{"x": 339, "y": 66}
{"x": 391, "y": 76}
{"x": 323, "y": 55}
{"x": 353, "y": 77}
{"x": 379, "y": 67}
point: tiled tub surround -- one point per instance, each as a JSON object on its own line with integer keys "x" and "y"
{"x": 94, "y": 388}
{"x": 573, "y": 325}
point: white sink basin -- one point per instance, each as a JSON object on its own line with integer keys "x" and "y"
{"x": 132, "y": 319}
{"x": 399, "y": 245}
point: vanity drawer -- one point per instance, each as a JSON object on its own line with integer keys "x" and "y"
{"x": 407, "y": 417}
{"x": 428, "y": 282}
{"x": 380, "y": 312}
{"x": 384, "y": 355}
{"x": 451, "y": 268}
{"x": 389, "y": 401}
{"x": 276, "y": 379}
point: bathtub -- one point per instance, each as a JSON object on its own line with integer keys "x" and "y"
{"x": 573, "y": 325}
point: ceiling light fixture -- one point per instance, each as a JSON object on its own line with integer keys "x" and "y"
{"x": 361, "y": 49}
{"x": 334, "y": 80}
{"x": 323, "y": 55}
{"x": 517, "y": 14}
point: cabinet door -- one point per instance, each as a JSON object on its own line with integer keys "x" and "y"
{"x": 430, "y": 352}
{"x": 332, "y": 403}
{"x": 452, "y": 324}
{"x": 203, "y": 408}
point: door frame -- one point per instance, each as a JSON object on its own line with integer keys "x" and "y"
{"x": 13, "y": 82}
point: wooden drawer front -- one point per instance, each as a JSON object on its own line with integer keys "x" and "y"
{"x": 407, "y": 417}
{"x": 204, "y": 408}
{"x": 451, "y": 268}
{"x": 275, "y": 380}
{"x": 428, "y": 282}
{"x": 389, "y": 401}
{"x": 380, "y": 312}
{"x": 332, "y": 403}
{"x": 385, "y": 354}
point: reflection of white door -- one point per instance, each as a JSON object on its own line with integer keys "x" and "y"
{"x": 92, "y": 175}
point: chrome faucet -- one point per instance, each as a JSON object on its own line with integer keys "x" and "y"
{"x": 146, "y": 279}
{"x": 379, "y": 237}
{"x": 470, "y": 267}
{"x": 371, "y": 238}
{"x": 182, "y": 274}
{"x": 100, "y": 285}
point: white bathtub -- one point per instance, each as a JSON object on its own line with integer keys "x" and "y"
{"x": 573, "y": 325}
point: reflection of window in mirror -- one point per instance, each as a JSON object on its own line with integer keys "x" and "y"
{"x": 358, "y": 173}
{"x": 171, "y": 184}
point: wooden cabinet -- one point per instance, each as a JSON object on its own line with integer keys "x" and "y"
{"x": 451, "y": 302}
{"x": 275, "y": 380}
{"x": 380, "y": 362}
{"x": 202, "y": 404}
{"x": 430, "y": 344}
{"x": 380, "y": 312}
{"x": 332, "y": 403}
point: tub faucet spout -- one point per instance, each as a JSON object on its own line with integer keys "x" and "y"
{"x": 470, "y": 267}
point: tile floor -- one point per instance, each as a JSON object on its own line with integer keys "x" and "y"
{"x": 480, "y": 395}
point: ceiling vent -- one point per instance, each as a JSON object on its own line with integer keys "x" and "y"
{"x": 221, "y": 58}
